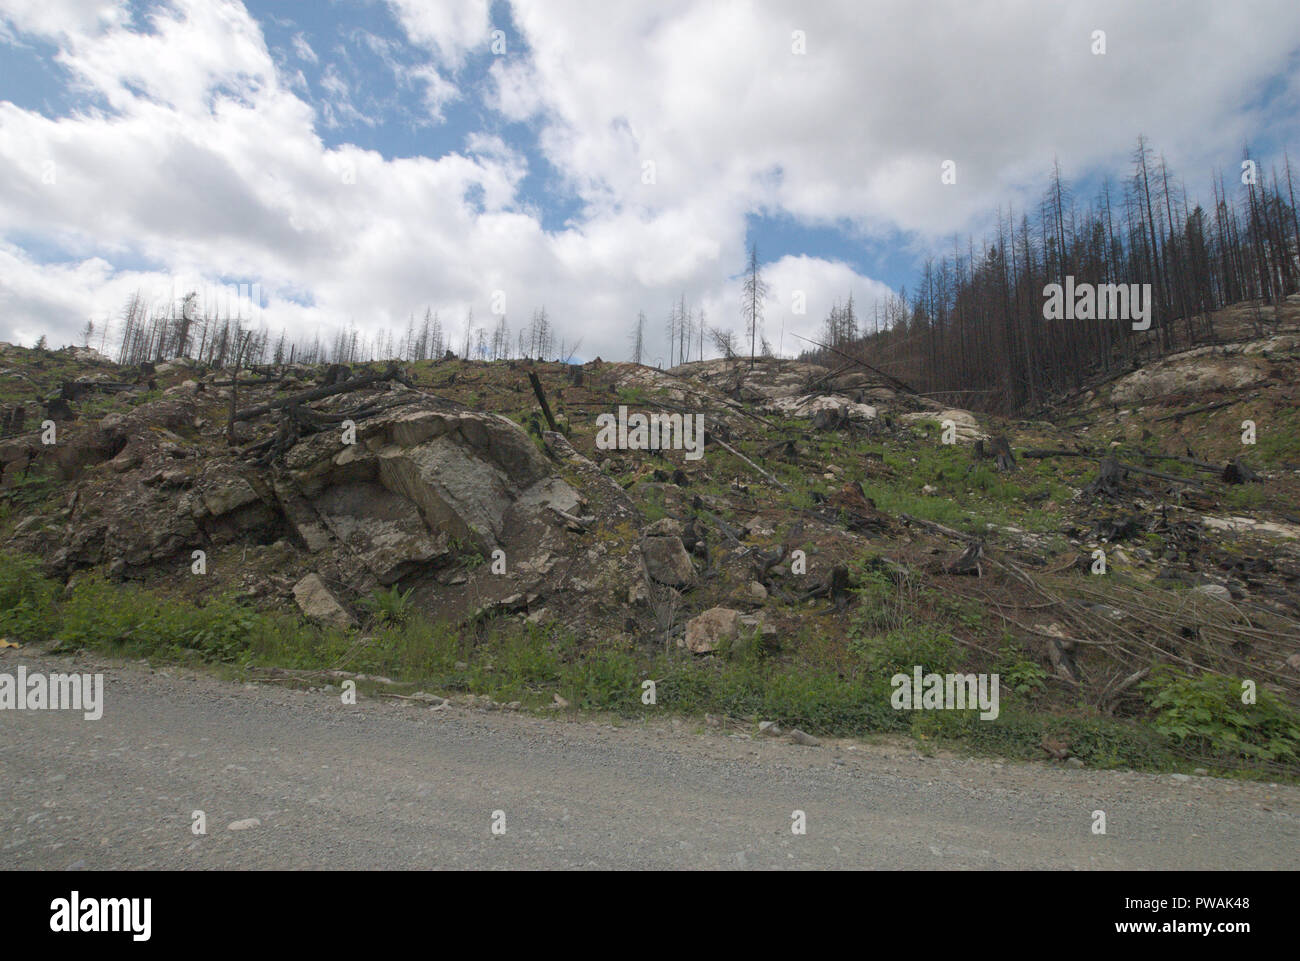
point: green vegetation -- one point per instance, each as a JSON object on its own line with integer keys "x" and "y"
{"x": 391, "y": 606}
{"x": 1206, "y": 714}
{"x": 31, "y": 491}
{"x": 1278, "y": 438}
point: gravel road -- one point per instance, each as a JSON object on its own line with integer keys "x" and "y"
{"x": 296, "y": 779}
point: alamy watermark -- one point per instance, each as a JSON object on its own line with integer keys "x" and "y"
{"x": 951, "y": 692}
{"x": 651, "y": 432}
{"x": 236, "y": 301}
{"x": 1098, "y": 302}
{"x": 57, "y": 692}
{"x": 76, "y": 914}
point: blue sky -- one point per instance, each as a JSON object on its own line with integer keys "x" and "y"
{"x": 363, "y": 160}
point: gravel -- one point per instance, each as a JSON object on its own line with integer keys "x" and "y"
{"x": 296, "y": 779}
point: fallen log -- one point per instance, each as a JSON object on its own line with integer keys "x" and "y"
{"x": 393, "y": 372}
{"x": 727, "y": 530}
{"x": 1112, "y": 470}
{"x": 731, "y": 450}
{"x": 1179, "y": 415}
{"x": 862, "y": 363}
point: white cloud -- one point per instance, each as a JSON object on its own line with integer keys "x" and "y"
{"x": 448, "y": 28}
{"x": 860, "y": 123}
{"x": 303, "y": 49}
{"x": 55, "y": 18}
{"x": 210, "y": 163}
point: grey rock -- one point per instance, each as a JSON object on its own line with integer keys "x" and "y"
{"x": 318, "y": 603}
{"x": 667, "y": 561}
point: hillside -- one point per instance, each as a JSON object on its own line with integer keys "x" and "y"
{"x": 457, "y": 543}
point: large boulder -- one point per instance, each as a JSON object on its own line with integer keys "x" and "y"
{"x": 666, "y": 560}
{"x": 319, "y": 604}
{"x": 718, "y": 627}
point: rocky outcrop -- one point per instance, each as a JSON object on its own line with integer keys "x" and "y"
{"x": 1187, "y": 373}
{"x": 840, "y": 408}
{"x": 967, "y": 427}
{"x": 460, "y": 470}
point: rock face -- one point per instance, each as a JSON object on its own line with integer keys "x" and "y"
{"x": 318, "y": 604}
{"x": 1190, "y": 372}
{"x": 459, "y": 471}
{"x": 764, "y": 382}
{"x": 423, "y": 487}
{"x": 811, "y": 405}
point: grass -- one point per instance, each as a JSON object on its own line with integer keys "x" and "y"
{"x": 813, "y": 685}
{"x": 31, "y": 491}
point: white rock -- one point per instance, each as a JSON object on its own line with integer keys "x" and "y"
{"x": 1217, "y": 591}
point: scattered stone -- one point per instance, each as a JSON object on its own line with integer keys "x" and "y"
{"x": 770, "y": 728}
{"x": 1180, "y": 778}
{"x": 244, "y": 825}
{"x": 807, "y": 740}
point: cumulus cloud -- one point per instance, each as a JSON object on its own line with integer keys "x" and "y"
{"x": 195, "y": 155}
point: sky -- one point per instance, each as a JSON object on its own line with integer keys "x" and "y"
{"x": 355, "y": 162}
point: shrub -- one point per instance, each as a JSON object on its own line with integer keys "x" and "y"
{"x": 391, "y": 606}
{"x": 27, "y": 599}
{"x": 1206, "y": 713}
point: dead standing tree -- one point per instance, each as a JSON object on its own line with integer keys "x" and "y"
{"x": 241, "y": 347}
{"x": 755, "y": 293}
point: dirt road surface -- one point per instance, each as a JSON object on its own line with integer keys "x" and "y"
{"x": 296, "y": 779}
